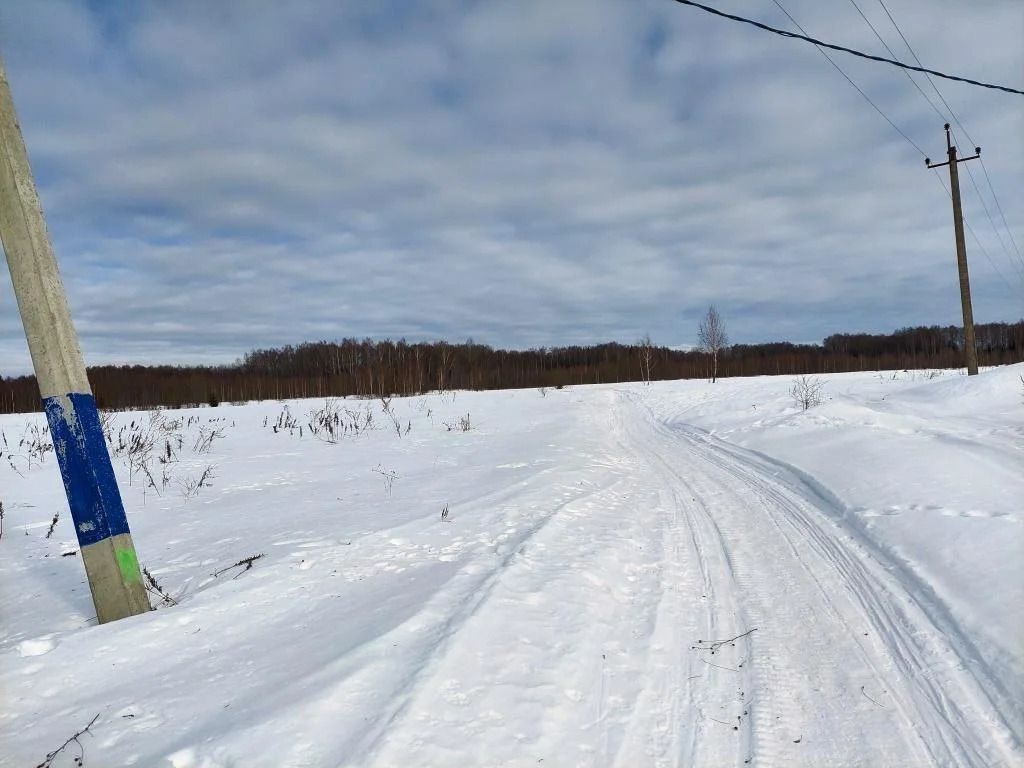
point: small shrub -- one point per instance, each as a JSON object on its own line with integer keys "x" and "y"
{"x": 807, "y": 392}
{"x": 462, "y": 425}
{"x": 395, "y": 421}
{"x": 153, "y": 586}
{"x": 204, "y": 442}
{"x": 389, "y": 476}
{"x": 34, "y": 445}
{"x": 333, "y": 422}
{"x": 190, "y": 486}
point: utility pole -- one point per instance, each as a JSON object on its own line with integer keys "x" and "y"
{"x": 970, "y": 347}
{"x": 100, "y": 522}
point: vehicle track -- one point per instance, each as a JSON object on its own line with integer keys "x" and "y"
{"x": 876, "y": 633}
{"x": 564, "y": 627}
{"x": 700, "y": 715}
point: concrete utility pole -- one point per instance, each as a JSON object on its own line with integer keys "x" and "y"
{"x": 970, "y": 347}
{"x": 95, "y": 501}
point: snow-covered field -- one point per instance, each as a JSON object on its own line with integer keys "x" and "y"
{"x": 863, "y": 559}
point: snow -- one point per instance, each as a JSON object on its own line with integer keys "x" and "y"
{"x": 862, "y": 558}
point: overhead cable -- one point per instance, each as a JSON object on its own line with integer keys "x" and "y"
{"x": 850, "y": 51}
{"x": 859, "y": 90}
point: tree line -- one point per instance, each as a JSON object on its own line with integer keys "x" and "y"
{"x": 373, "y": 368}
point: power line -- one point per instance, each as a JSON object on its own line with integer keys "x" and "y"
{"x": 960, "y": 125}
{"x": 992, "y": 221}
{"x": 999, "y": 207}
{"x": 851, "y": 51}
{"x": 981, "y": 198}
{"x": 975, "y": 237}
{"x": 930, "y": 81}
{"x": 977, "y": 242}
{"x": 953, "y": 115}
{"x": 857, "y": 87}
{"x": 893, "y": 54}
{"x": 820, "y": 45}
{"x": 908, "y": 139}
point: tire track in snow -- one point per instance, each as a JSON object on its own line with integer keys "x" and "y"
{"x": 921, "y": 636}
{"x": 770, "y": 715}
{"x": 441, "y": 639}
{"x": 554, "y": 657}
{"x": 699, "y": 733}
{"x": 435, "y": 644}
{"x": 342, "y": 711}
{"x": 943, "y": 714}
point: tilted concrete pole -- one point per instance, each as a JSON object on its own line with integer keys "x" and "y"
{"x": 970, "y": 344}
{"x": 93, "y": 496}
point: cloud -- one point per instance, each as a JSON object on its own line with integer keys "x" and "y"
{"x": 224, "y": 176}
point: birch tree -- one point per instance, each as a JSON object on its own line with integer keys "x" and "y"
{"x": 646, "y": 358}
{"x": 712, "y": 338}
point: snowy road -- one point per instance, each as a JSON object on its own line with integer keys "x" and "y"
{"x": 850, "y": 650}
{"x": 571, "y": 612}
{"x": 697, "y": 542}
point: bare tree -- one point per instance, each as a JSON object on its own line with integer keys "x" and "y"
{"x": 646, "y": 358}
{"x": 712, "y": 338}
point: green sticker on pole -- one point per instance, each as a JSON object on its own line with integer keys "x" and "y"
{"x": 129, "y": 565}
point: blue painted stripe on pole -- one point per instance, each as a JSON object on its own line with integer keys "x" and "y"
{"x": 89, "y": 481}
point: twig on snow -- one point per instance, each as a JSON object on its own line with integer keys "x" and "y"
{"x": 714, "y": 645}
{"x": 870, "y": 699}
{"x": 719, "y": 666}
{"x": 246, "y": 561}
{"x": 73, "y": 740}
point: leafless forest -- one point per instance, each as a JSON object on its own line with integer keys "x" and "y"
{"x": 375, "y": 368}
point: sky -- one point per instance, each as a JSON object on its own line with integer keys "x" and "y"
{"x": 224, "y": 176}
